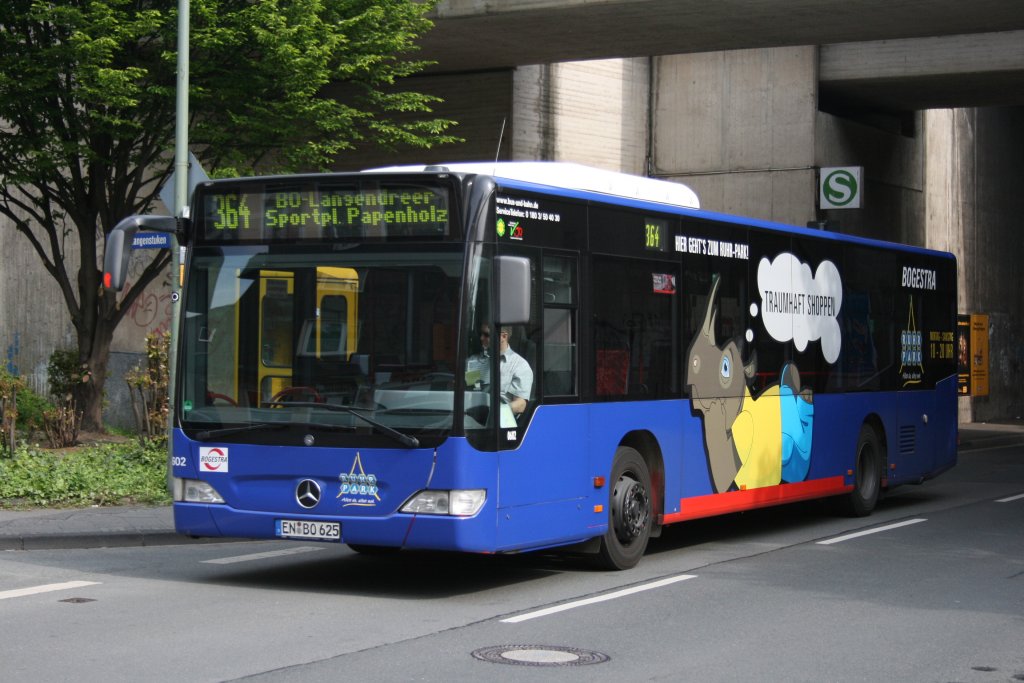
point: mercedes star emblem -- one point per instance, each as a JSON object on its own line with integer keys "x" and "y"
{"x": 307, "y": 493}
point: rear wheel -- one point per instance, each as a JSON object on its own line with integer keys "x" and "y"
{"x": 630, "y": 513}
{"x": 867, "y": 485}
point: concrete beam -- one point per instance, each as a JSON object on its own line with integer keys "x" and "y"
{"x": 485, "y": 34}
{"x": 926, "y": 73}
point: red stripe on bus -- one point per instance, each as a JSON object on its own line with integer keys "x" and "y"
{"x": 736, "y": 501}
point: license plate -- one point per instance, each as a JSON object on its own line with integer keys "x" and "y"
{"x": 300, "y": 528}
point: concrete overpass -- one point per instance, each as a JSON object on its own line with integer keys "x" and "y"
{"x": 744, "y": 100}
{"x": 904, "y": 55}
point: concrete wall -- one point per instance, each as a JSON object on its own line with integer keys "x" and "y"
{"x": 744, "y": 130}
{"x": 33, "y": 317}
{"x": 996, "y": 272}
{"x": 738, "y": 127}
{"x": 34, "y": 321}
{"x": 892, "y": 206}
{"x": 593, "y": 113}
{"x": 974, "y": 205}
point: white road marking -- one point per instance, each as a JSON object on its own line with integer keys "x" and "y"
{"x": 600, "y": 598}
{"x": 263, "y": 556}
{"x": 48, "y": 588}
{"x": 1010, "y": 499}
{"x": 868, "y": 532}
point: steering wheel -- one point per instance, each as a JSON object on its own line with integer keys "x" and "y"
{"x": 309, "y": 394}
{"x": 212, "y": 396}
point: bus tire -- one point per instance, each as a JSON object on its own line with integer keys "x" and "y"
{"x": 867, "y": 475}
{"x": 630, "y": 512}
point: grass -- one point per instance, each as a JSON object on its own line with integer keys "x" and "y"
{"x": 97, "y": 474}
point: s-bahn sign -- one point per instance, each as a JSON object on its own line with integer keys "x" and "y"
{"x": 840, "y": 187}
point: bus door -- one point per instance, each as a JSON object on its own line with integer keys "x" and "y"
{"x": 541, "y": 460}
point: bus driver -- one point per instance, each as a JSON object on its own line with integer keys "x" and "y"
{"x": 516, "y": 374}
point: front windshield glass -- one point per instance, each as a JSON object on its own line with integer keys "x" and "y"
{"x": 352, "y": 347}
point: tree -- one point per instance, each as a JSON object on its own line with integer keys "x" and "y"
{"x": 87, "y": 91}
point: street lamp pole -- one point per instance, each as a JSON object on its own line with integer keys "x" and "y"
{"x": 180, "y": 204}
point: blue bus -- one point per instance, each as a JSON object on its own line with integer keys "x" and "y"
{"x": 652, "y": 362}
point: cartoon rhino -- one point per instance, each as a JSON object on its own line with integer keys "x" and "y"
{"x": 750, "y": 443}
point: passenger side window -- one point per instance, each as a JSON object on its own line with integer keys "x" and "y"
{"x": 636, "y": 339}
{"x": 559, "y": 372}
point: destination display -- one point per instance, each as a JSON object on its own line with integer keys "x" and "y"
{"x": 262, "y": 212}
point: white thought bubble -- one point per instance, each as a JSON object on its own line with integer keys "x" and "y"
{"x": 799, "y": 306}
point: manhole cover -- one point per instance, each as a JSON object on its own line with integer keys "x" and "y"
{"x": 539, "y": 655}
{"x": 78, "y": 601}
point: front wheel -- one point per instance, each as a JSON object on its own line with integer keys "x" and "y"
{"x": 630, "y": 513}
{"x": 867, "y": 484}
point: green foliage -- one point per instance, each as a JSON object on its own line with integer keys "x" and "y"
{"x": 21, "y": 409}
{"x": 10, "y": 389}
{"x": 295, "y": 84}
{"x": 62, "y": 421}
{"x": 65, "y": 373}
{"x": 95, "y": 475}
{"x": 301, "y": 80}
{"x": 31, "y": 407}
{"x": 87, "y": 101}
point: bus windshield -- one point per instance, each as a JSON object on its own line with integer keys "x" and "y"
{"x": 340, "y": 346}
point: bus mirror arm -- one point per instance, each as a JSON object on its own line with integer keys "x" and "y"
{"x": 118, "y": 251}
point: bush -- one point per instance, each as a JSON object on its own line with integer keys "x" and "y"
{"x": 31, "y": 408}
{"x": 21, "y": 410}
{"x": 10, "y": 388}
{"x": 65, "y": 372}
{"x": 105, "y": 474}
{"x": 61, "y": 424}
{"x": 62, "y": 421}
{"x": 149, "y": 388}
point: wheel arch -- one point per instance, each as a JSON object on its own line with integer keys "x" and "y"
{"x": 646, "y": 444}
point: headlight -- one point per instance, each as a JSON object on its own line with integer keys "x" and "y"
{"x": 457, "y": 503}
{"x": 195, "y": 491}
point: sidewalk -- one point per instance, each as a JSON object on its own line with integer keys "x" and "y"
{"x": 991, "y": 434}
{"x": 95, "y": 527}
{"x": 109, "y": 527}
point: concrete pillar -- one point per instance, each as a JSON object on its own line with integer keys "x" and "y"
{"x": 592, "y": 113}
{"x": 974, "y": 205}
{"x": 739, "y": 128}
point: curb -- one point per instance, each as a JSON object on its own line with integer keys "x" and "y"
{"x": 91, "y": 539}
{"x": 995, "y": 441}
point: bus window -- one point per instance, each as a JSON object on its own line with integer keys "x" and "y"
{"x": 559, "y": 353}
{"x": 636, "y": 338}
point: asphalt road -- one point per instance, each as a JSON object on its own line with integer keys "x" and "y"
{"x": 934, "y": 592}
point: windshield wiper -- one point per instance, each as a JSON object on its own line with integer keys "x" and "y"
{"x": 404, "y": 439}
{"x": 208, "y": 434}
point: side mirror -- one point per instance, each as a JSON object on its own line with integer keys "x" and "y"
{"x": 115, "y": 258}
{"x": 514, "y": 292}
